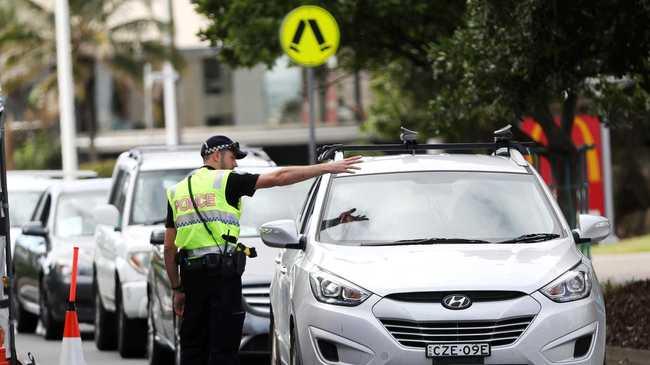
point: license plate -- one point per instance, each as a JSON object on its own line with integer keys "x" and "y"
{"x": 457, "y": 349}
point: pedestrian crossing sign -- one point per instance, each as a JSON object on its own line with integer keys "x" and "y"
{"x": 309, "y": 35}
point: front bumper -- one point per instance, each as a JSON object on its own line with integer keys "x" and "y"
{"x": 58, "y": 291}
{"x": 134, "y": 298}
{"x": 360, "y": 338}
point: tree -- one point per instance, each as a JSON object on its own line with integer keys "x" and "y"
{"x": 390, "y": 38}
{"x": 102, "y": 32}
{"x": 543, "y": 59}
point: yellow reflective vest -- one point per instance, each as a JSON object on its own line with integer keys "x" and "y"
{"x": 209, "y": 190}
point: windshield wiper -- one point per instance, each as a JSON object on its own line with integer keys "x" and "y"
{"x": 425, "y": 241}
{"x": 532, "y": 237}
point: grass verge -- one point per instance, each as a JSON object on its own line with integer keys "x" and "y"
{"x": 630, "y": 245}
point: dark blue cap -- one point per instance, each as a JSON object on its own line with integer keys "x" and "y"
{"x": 219, "y": 143}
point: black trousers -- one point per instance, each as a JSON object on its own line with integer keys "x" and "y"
{"x": 213, "y": 318}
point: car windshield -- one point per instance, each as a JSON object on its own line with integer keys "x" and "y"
{"x": 267, "y": 205}
{"x": 435, "y": 207}
{"x": 74, "y": 213}
{"x": 21, "y": 206}
{"x": 150, "y": 195}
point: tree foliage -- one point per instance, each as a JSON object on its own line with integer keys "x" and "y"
{"x": 101, "y": 32}
{"x": 543, "y": 59}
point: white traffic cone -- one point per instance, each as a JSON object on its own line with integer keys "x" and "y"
{"x": 71, "y": 350}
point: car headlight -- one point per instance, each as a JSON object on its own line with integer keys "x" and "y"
{"x": 63, "y": 269}
{"x": 140, "y": 261}
{"x": 572, "y": 285}
{"x": 331, "y": 289}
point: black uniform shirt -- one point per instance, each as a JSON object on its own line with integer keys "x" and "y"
{"x": 238, "y": 185}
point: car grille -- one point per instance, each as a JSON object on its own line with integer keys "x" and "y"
{"x": 418, "y": 334}
{"x": 257, "y": 297}
{"x": 474, "y": 296}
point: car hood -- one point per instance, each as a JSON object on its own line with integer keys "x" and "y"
{"x": 259, "y": 269}
{"x": 384, "y": 270}
{"x": 138, "y": 237}
{"x": 62, "y": 249}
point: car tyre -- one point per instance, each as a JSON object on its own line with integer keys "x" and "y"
{"x": 295, "y": 349}
{"x": 131, "y": 333}
{"x": 26, "y": 322}
{"x": 53, "y": 328}
{"x": 157, "y": 353}
{"x": 105, "y": 327}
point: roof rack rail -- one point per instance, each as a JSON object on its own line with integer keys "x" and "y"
{"x": 502, "y": 139}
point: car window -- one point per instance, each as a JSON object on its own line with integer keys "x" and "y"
{"x": 282, "y": 202}
{"x": 150, "y": 195}
{"x": 418, "y": 205}
{"x": 309, "y": 207}
{"x": 74, "y": 213}
{"x": 22, "y": 205}
{"x": 44, "y": 214}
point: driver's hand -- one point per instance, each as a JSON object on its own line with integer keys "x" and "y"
{"x": 347, "y": 216}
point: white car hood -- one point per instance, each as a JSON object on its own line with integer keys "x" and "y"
{"x": 138, "y": 237}
{"x": 259, "y": 270}
{"x": 384, "y": 270}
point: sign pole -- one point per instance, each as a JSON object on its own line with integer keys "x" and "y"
{"x": 312, "y": 115}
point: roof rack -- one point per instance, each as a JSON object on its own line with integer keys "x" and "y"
{"x": 502, "y": 140}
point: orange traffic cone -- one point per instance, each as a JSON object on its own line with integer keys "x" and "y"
{"x": 71, "y": 350}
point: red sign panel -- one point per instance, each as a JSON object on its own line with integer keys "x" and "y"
{"x": 586, "y": 131}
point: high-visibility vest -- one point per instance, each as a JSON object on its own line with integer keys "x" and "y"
{"x": 209, "y": 190}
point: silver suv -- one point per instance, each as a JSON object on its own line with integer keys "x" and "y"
{"x": 435, "y": 258}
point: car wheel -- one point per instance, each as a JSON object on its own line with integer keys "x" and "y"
{"x": 131, "y": 333}
{"x": 105, "y": 328}
{"x": 25, "y": 322}
{"x": 275, "y": 351}
{"x": 157, "y": 353}
{"x": 295, "y": 351}
{"x": 53, "y": 328}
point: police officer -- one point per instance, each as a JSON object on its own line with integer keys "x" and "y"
{"x": 207, "y": 293}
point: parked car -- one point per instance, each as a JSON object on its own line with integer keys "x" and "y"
{"x": 267, "y": 204}
{"x": 137, "y": 204}
{"x": 24, "y": 187}
{"x": 43, "y": 256}
{"x": 445, "y": 258}
{"x": 23, "y": 192}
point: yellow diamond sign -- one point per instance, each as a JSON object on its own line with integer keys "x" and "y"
{"x": 309, "y": 35}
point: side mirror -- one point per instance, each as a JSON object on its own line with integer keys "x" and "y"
{"x": 106, "y": 214}
{"x": 593, "y": 227}
{"x": 35, "y": 229}
{"x": 157, "y": 237}
{"x": 281, "y": 234}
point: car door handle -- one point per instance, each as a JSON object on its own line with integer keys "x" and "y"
{"x": 283, "y": 269}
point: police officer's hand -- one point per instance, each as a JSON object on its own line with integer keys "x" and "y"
{"x": 348, "y": 165}
{"x": 179, "y": 303}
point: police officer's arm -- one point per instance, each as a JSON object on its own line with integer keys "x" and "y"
{"x": 170, "y": 257}
{"x": 293, "y": 174}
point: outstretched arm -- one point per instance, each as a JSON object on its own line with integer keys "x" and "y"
{"x": 294, "y": 174}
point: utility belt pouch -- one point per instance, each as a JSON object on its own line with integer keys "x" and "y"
{"x": 233, "y": 264}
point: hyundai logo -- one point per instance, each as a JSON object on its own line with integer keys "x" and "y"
{"x": 456, "y": 301}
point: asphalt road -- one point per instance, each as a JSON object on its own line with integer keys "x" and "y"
{"x": 48, "y": 352}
